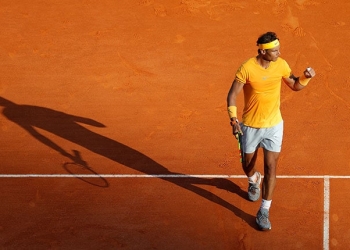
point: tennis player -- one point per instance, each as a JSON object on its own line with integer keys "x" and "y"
{"x": 260, "y": 78}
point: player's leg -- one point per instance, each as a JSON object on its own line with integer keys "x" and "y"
{"x": 269, "y": 182}
{"x": 250, "y": 140}
{"x": 272, "y": 144}
{"x": 268, "y": 186}
{"x": 254, "y": 177}
{"x": 249, "y": 163}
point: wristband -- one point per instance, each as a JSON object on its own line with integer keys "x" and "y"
{"x": 232, "y": 111}
{"x": 303, "y": 80}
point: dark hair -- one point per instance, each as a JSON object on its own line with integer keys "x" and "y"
{"x": 266, "y": 38}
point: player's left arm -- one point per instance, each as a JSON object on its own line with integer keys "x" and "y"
{"x": 298, "y": 83}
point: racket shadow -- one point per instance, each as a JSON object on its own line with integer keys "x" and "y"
{"x": 81, "y": 170}
{"x": 85, "y": 174}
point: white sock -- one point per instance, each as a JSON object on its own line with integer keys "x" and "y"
{"x": 266, "y": 204}
{"x": 253, "y": 178}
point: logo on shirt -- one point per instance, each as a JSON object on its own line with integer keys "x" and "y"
{"x": 265, "y": 78}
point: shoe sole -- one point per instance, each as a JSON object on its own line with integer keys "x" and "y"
{"x": 262, "y": 228}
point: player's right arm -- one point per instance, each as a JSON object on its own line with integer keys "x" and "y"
{"x": 235, "y": 89}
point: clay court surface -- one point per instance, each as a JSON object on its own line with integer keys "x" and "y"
{"x": 115, "y": 134}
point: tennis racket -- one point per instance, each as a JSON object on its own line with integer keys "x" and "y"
{"x": 240, "y": 147}
{"x": 240, "y": 144}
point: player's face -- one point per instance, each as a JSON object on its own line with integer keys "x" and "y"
{"x": 272, "y": 54}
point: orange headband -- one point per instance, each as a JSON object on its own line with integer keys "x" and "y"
{"x": 269, "y": 45}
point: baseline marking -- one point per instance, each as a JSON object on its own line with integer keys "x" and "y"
{"x": 164, "y": 176}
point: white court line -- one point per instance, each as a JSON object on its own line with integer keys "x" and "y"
{"x": 326, "y": 206}
{"x": 165, "y": 176}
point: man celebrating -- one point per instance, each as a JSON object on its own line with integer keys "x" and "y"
{"x": 260, "y": 78}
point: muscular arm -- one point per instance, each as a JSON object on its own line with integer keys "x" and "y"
{"x": 235, "y": 89}
{"x": 293, "y": 82}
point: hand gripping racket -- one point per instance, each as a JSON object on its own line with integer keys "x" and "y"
{"x": 240, "y": 145}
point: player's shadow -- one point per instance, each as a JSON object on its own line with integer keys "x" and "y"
{"x": 68, "y": 127}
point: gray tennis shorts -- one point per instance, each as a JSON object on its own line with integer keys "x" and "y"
{"x": 267, "y": 138}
